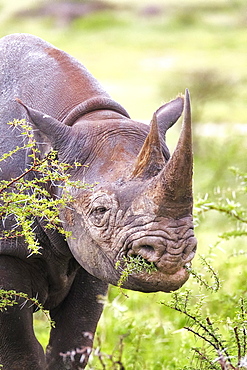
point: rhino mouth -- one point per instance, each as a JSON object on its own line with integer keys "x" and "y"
{"x": 137, "y": 273}
{"x": 151, "y": 266}
{"x": 167, "y": 256}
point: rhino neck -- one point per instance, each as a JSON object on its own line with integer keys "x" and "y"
{"x": 92, "y": 105}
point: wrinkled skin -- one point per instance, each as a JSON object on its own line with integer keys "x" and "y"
{"x": 113, "y": 231}
{"x": 140, "y": 205}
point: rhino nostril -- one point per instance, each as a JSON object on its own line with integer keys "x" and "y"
{"x": 147, "y": 248}
{"x": 149, "y": 252}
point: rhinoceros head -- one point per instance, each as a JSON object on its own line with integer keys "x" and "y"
{"x": 141, "y": 203}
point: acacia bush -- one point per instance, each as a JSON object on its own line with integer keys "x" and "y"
{"x": 25, "y": 198}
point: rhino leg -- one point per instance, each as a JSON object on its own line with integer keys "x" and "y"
{"x": 75, "y": 319}
{"x": 19, "y": 348}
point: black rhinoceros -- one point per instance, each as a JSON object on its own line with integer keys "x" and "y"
{"x": 141, "y": 204}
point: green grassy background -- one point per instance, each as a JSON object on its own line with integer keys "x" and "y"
{"x": 145, "y": 53}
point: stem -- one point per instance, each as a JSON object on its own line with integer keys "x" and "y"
{"x": 216, "y": 344}
{"x": 203, "y": 357}
{"x": 23, "y": 174}
{"x": 238, "y": 343}
{"x": 201, "y": 336}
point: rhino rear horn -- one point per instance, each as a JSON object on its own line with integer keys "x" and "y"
{"x": 151, "y": 160}
{"x": 55, "y": 131}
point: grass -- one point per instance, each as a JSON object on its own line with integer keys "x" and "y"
{"x": 143, "y": 61}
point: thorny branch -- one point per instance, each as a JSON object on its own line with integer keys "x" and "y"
{"x": 9, "y": 298}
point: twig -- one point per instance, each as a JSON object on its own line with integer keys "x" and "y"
{"x": 238, "y": 343}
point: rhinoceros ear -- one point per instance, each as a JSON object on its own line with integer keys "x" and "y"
{"x": 55, "y": 131}
{"x": 169, "y": 113}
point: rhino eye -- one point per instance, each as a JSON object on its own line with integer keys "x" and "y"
{"x": 100, "y": 210}
{"x": 98, "y": 215}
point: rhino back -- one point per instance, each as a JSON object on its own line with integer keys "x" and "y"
{"x": 46, "y": 79}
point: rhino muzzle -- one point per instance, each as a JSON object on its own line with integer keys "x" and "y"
{"x": 168, "y": 256}
{"x": 169, "y": 244}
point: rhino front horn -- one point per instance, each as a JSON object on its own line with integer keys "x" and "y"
{"x": 172, "y": 188}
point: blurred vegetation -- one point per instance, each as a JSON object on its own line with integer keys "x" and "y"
{"x": 150, "y": 50}
{"x": 145, "y": 53}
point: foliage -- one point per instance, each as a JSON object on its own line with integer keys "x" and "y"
{"x": 133, "y": 265}
{"x": 229, "y": 202}
{"x": 25, "y": 198}
{"x": 200, "y": 277}
{"x": 10, "y": 298}
{"x": 229, "y": 347}
{"x": 113, "y": 361}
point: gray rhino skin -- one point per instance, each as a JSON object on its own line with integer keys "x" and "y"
{"x": 141, "y": 205}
